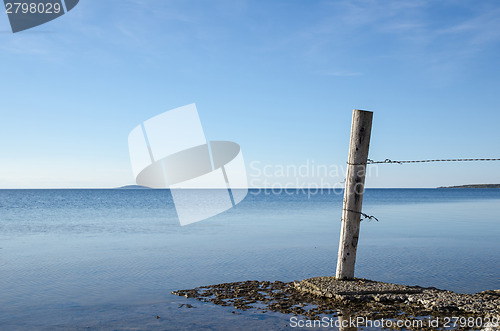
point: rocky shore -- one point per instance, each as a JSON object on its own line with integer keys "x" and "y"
{"x": 326, "y": 296}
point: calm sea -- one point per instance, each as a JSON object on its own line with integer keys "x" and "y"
{"x": 108, "y": 259}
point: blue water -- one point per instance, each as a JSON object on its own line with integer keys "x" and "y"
{"x": 108, "y": 259}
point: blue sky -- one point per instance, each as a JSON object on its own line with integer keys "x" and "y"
{"x": 278, "y": 77}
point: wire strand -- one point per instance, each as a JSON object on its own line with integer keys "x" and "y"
{"x": 370, "y": 161}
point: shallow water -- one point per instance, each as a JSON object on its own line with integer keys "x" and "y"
{"x": 108, "y": 259}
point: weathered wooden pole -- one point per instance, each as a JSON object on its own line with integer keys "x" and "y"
{"x": 354, "y": 190}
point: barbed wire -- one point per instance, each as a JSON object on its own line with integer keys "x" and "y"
{"x": 366, "y": 217}
{"x": 370, "y": 161}
{"x": 386, "y": 161}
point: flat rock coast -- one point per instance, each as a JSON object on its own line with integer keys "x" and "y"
{"x": 317, "y": 297}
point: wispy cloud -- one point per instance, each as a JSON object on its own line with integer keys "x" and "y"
{"x": 439, "y": 39}
{"x": 479, "y": 31}
{"x": 340, "y": 73}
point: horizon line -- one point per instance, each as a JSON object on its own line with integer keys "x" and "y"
{"x": 205, "y": 188}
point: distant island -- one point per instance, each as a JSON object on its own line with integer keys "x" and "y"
{"x": 133, "y": 187}
{"x": 474, "y": 186}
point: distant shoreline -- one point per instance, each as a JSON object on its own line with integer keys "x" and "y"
{"x": 474, "y": 186}
{"x": 133, "y": 187}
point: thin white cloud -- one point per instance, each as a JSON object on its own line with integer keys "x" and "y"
{"x": 341, "y": 74}
{"x": 402, "y": 31}
{"x": 479, "y": 31}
